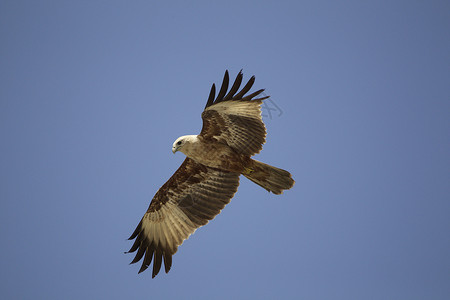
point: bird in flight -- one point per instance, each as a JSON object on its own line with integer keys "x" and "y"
{"x": 232, "y": 132}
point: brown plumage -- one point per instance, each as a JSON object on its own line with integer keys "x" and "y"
{"x": 232, "y": 132}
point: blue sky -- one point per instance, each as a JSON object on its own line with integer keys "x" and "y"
{"x": 93, "y": 94}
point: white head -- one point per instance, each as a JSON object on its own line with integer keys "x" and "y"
{"x": 182, "y": 142}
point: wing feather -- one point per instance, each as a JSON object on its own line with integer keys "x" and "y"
{"x": 246, "y": 88}
{"x": 139, "y": 254}
{"x": 157, "y": 261}
{"x": 235, "y": 87}
{"x": 194, "y": 195}
{"x": 223, "y": 88}
{"x": 212, "y": 94}
{"x": 147, "y": 259}
{"x": 235, "y": 120}
{"x": 167, "y": 261}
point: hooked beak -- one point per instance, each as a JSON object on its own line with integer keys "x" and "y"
{"x": 174, "y": 149}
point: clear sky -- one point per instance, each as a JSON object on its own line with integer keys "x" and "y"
{"x": 93, "y": 94}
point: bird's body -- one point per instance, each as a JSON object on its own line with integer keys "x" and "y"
{"x": 214, "y": 155}
{"x": 232, "y": 132}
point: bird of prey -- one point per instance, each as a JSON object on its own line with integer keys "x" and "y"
{"x": 232, "y": 132}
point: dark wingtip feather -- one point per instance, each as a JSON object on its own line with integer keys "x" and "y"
{"x": 139, "y": 255}
{"x": 142, "y": 269}
{"x": 212, "y": 94}
{"x": 231, "y": 94}
{"x": 136, "y": 231}
{"x": 136, "y": 244}
{"x": 223, "y": 88}
{"x": 157, "y": 262}
{"x": 262, "y": 98}
{"x": 246, "y": 88}
{"x": 167, "y": 262}
{"x": 249, "y": 97}
{"x": 147, "y": 260}
{"x": 235, "y": 87}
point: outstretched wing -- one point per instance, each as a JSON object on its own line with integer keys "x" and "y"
{"x": 235, "y": 119}
{"x": 193, "y": 195}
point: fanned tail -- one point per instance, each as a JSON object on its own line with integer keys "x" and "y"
{"x": 272, "y": 179}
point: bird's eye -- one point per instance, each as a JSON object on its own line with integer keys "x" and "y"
{"x": 179, "y": 143}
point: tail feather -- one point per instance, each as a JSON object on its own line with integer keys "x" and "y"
{"x": 272, "y": 179}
